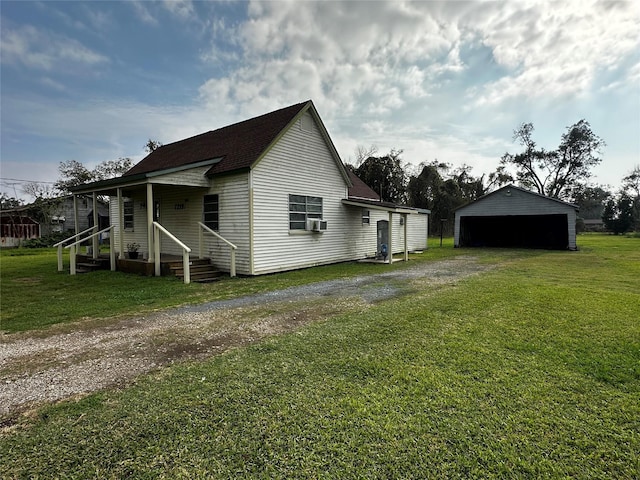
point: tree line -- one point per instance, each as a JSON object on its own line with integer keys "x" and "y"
{"x": 562, "y": 173}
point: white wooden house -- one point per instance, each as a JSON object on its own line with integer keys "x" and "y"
{"x": 514, "y": 217}
{"x": 273, "y": 186}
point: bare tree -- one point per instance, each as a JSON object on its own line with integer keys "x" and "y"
{"x": 362, "y": 153}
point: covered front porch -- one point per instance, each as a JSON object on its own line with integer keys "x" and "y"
{"x": 160, "y": 221}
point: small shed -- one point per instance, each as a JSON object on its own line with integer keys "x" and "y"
{"x": 514, "y": 217}
{"x": 17, "y": 228}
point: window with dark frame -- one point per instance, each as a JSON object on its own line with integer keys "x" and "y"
{"x": 366, "y": 217}
{"x": 127, "y": 218}
{"x": 211, "y": 212}
{"x": 302, "y": 208}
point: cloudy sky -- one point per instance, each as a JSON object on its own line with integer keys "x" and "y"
{"x": 92, "y": 81}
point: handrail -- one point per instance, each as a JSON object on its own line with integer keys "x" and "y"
{"x": 156, "y": 251}
{"x": 61, "y": 244}
{"x": 203, "y": 228}
{"x": 74, "y": 236}
{"x": 72, "y": 249}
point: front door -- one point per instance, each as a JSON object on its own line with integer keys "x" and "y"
{"x": 383, "y": 238}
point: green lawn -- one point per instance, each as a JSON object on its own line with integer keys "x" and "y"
{"x": 34, "y": 295}
{"x": 531, "y": 370}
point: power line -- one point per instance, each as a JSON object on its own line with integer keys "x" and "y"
{"x": 25, "y": 181}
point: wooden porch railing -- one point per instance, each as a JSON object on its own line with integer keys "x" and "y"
{"x": 157, "y": 229}
{"x": 61, "y": 245}
{"x": 204, "y": 229}
{"x": 72, "y": 249}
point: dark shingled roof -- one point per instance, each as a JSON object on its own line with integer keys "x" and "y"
{"x": 239, "y": 145}
{"x": 359, "y": 189}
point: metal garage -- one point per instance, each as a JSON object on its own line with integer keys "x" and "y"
{"x": 514, "y": 217}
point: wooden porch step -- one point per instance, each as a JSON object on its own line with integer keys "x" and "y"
{"x": 200, "y": 270}
{"x": 91, "y": 265}
{"x": 177, "y": 264}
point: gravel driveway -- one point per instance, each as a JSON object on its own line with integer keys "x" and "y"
{"x": 72, "y": 360}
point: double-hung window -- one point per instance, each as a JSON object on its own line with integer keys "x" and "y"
{"x": 127, "y": 219}
{"x": 302, "y": 208}
{"x": 211, "y": 211}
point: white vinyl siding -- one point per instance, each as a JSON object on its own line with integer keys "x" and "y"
{"x": 233, "y": 220}
{"x": 255, "y": 208}
{"x": 513, "y": 202}
{"x": 194, "y": 177}
{"x": 365, "y": 235}
{"x": 417, "y": 231}
{"x": 137, "y": 208}
{"x": 299, "y": 164}
{"x": 233, "y": 200}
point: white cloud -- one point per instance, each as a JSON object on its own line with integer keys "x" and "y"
{"x": 51, "y": 83}
{"x": 44, "y": 50}
{"x": 334, "y": 53}
{"x": 181, "y": 8}
{"x": 143, "y": 13}
{"x": 402, "y": 49}
{"x": 556, "y": 50}
{"x": 372, "y": 68}
{"x": 409, "y": 75}
{"x": 99, "y": 20}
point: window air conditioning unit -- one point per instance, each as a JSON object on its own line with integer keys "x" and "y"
{"x": 316, "y": 225}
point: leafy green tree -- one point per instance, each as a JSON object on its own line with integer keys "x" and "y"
{"x": 499, "y": 178}
{"x": 385, "y": 175}
{"x": 423, "y": 188}
{"x": 75, "y": 173}
{"x": 631, "y": 183}
{"x": 449, "y": 198}
{"x": 441, "y": 190}
{"x": 7, "y": 202}
{"x": 152, "y": 145}
{"x": 555, "y": 172}
{"x": 631, "y": 186}
{"x": 590, "y": 200}
{"x": 470, "y": 187}
{"x": 618, "y": 214}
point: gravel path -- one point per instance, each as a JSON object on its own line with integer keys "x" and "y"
{"x": 38, "y": 367}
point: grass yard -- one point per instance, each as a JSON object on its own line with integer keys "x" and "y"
{"x": 529, "y": 371}
{"x": 34, "y": 295}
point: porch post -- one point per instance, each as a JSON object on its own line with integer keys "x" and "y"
{"x": 96, "y": 226}
{"x": 75, "y": 214}
{"x": 406, "y": 243}
{"x": 390, "y": 238}
{"x": 120, "y": 224}
{"x": 150, "y": 222}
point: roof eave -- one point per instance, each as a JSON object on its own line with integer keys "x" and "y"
{"x": 385, "y": 207}
{"x": 522, "y": 190}
{"x": 138, "y": 178}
